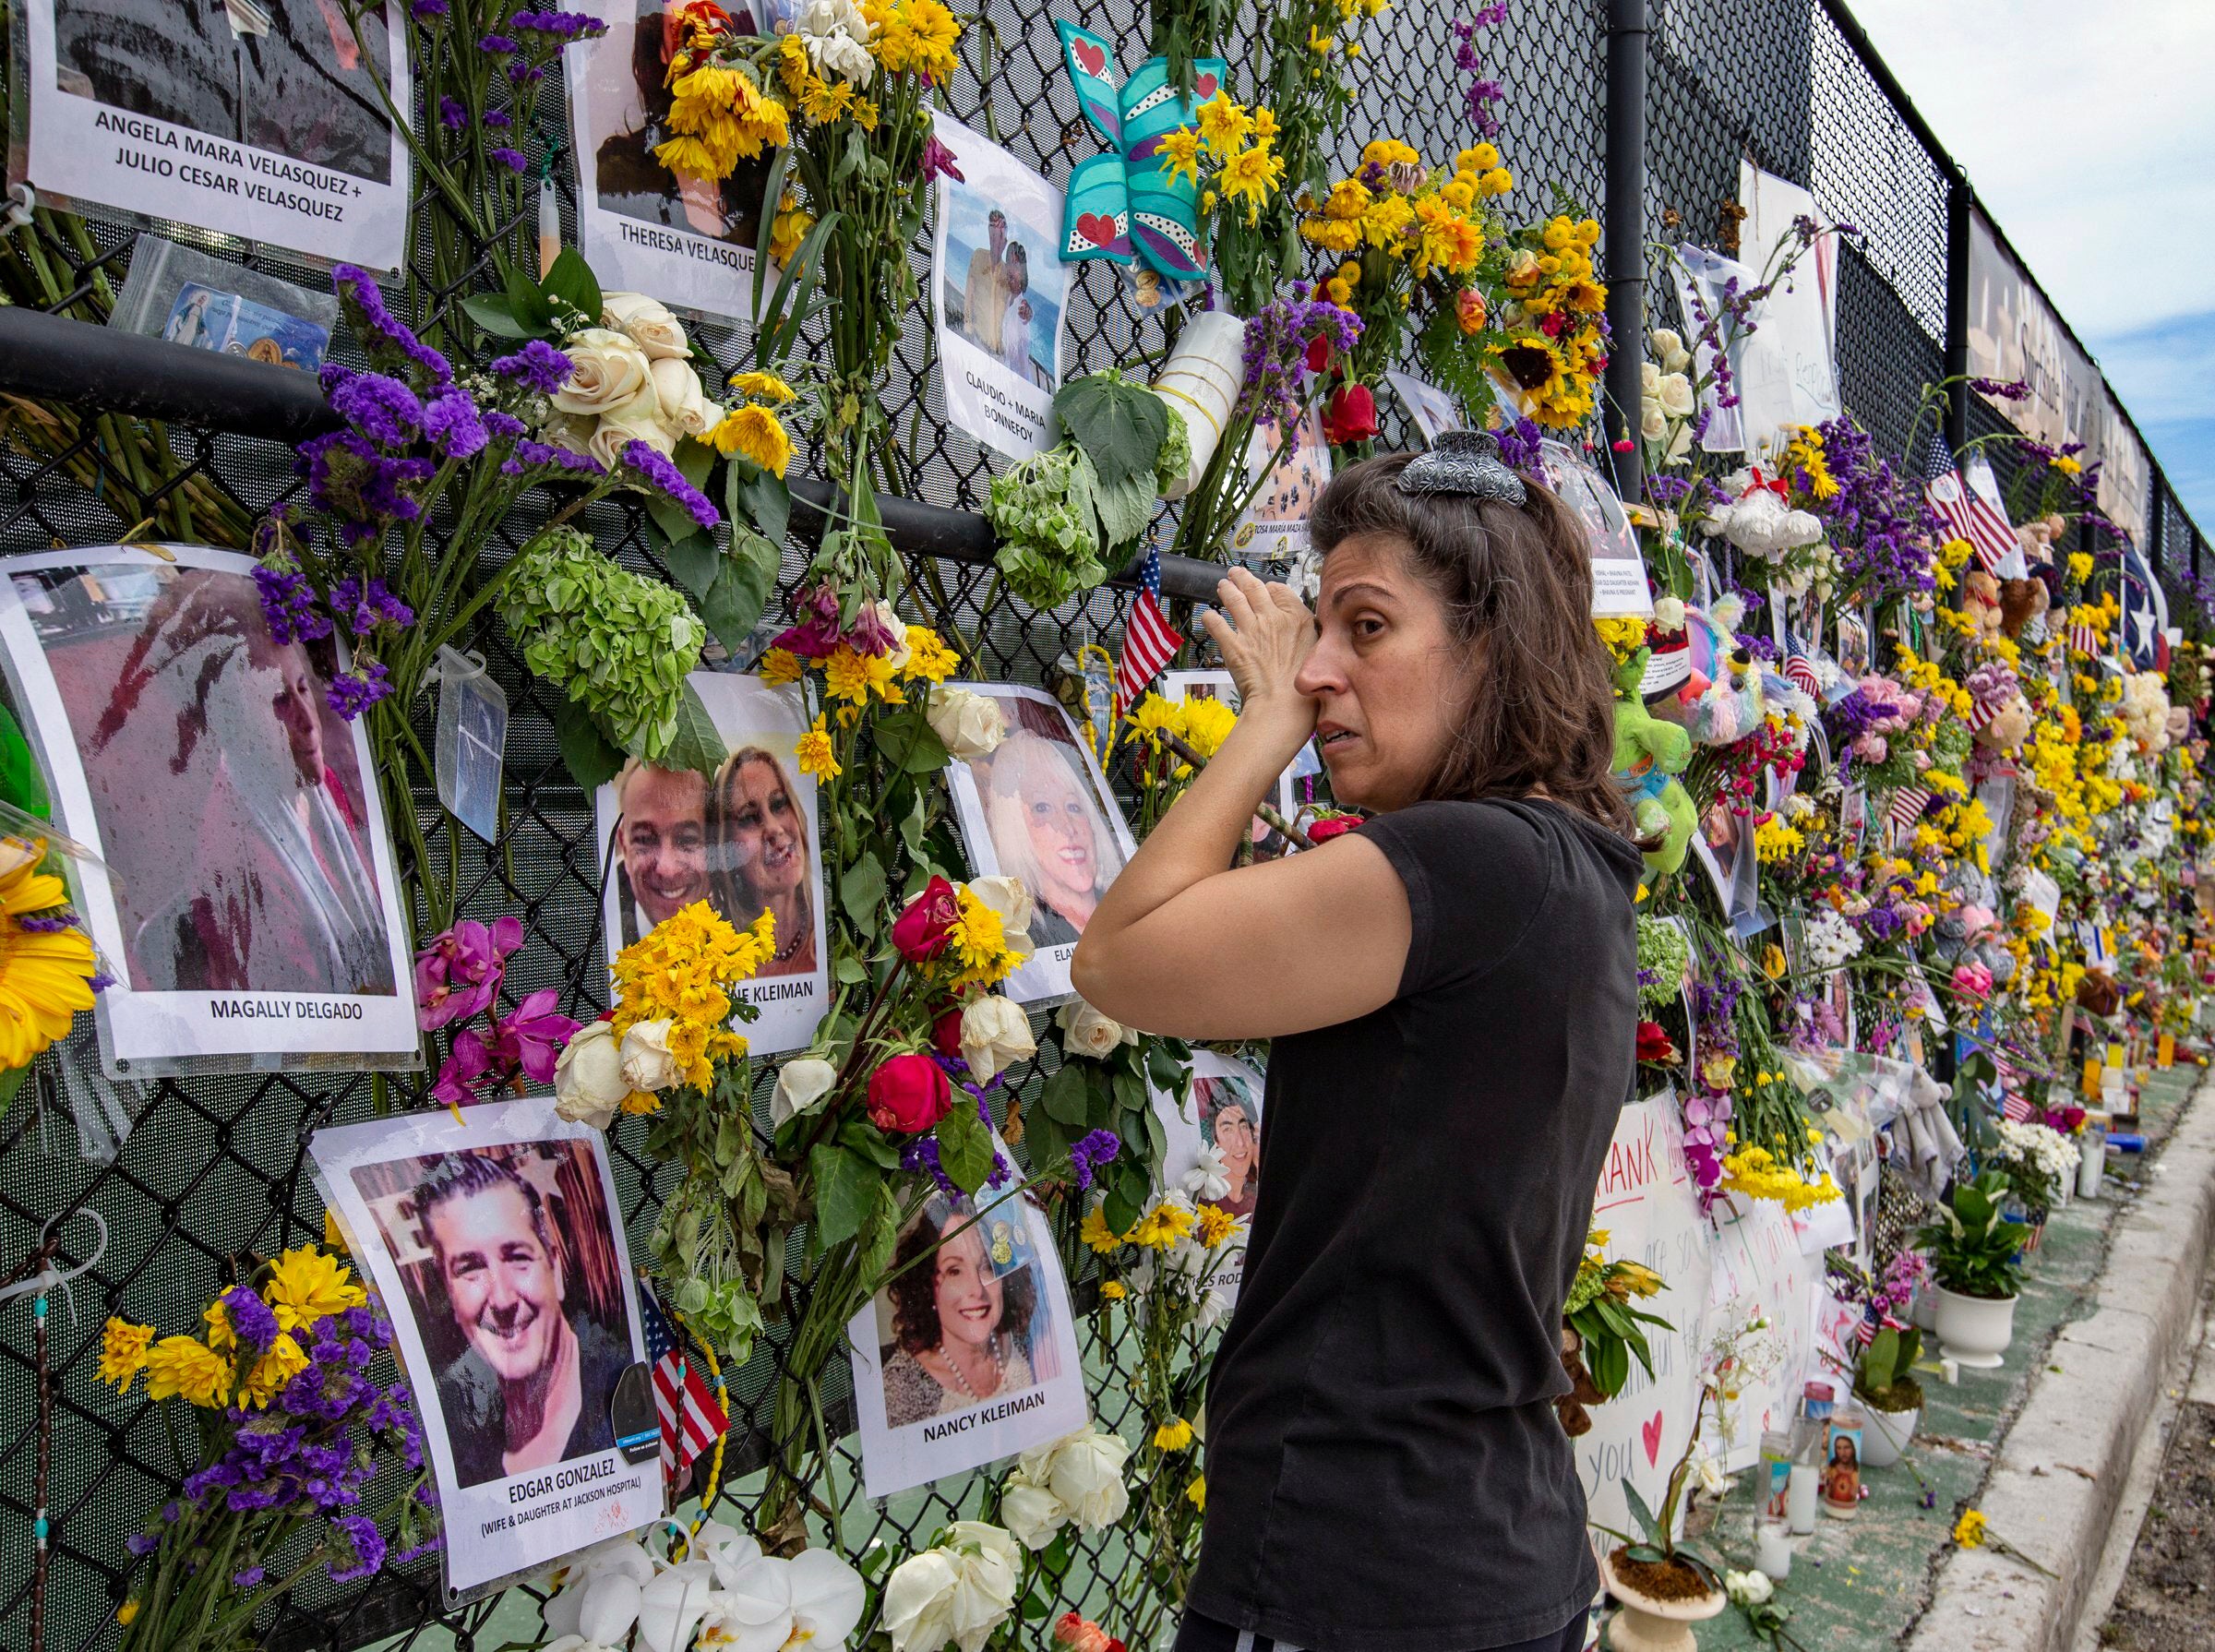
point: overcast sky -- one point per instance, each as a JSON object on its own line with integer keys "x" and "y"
{"x": 2089, "y": 132}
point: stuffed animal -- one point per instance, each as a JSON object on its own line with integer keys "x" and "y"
{"x": 2146, "y": 711}
{"x": 1981, "y": 602}
{"x": 1649, "y": 755}
{"x": 2021, "y": 601}
{"x": 1760, "y": 523}
{"x": 2037, "y": 542}
{"x": 1999, "y": 715}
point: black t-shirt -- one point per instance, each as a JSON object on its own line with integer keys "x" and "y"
{"x": 476, "y": 1420}
{"x": 1384, "y": 1469}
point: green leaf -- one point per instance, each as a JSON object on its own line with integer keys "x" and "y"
{"x": 1119, "y": 425}
{"x": 845, "y": 1192}
{"x": 1124, "y": 509}
{"x": 908, "y": 741}
{"x": 850, "y": 971}
{"x": 20, "y": 782}
{"x": 765, "y": 499}
{"x": 593, "y": 759}
{"x": 742, "y": 587}
{"x": 861, "y": 889}
{"x": 527, "y": 303}
{"x": 881, "y": 1234}
{"x": 964, "y": 1149}
{"x": 496, "y": 315}
{"x": 1609, "y": 1366}
{"x": 1120, "y": 1211}
{"x": 572, "y": 281}
{"x": 1643, "y": 1516}
{"x": 1064, "y": 1097}
{"x": 11, "y": 1081}
{"x": 696, "y": 745}
{"x": 693, "y": 561}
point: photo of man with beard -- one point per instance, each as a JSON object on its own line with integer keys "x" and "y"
{"x": 506, "y": 1261}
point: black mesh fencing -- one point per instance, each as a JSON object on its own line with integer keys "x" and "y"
{"x": 199, "y": 1178}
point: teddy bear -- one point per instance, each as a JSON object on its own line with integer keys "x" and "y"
{"x": 1760, "y": 521}
{"x": 2146, "y": 711}
{"x": 2036, "y": 541}
{"x": 1981, "y": 602}
{"x": 1649, "y": 755}
{"x": 2021, "y": 601}
{"x": 1999, "y": 715}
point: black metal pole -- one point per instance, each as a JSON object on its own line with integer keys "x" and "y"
{"x": 104, "y": 369}
{"x": 1961, "y": 201}
{"x": 1625, "y": 230}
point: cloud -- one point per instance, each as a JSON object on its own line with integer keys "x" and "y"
{"x": 2162, "y": 374}
{"x": 2085, "y": 131}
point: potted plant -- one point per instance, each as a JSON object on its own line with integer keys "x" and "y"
{"x": 2037, "y": 1165}
{"x": 1891, "y": 1398}
{"x": 1663, "y": 1585}
{"x": 1973, "y": 1254}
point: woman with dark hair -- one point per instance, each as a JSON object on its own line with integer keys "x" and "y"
{"x": 960, "y": 1328}
{"x": 1451, "y": 990}
{"x": 1231, "y": 1127}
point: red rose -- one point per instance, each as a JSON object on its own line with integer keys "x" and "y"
{"x": 1331, "y": 826}
{"x": 1350, "y": 415}
{"x": 1319, "y": 353}
{"x": 908, "y": 1093}
{"x": 1654, "y": 1045}
{"x": 946, "y": 1034}
{"x": 920, "y": 931}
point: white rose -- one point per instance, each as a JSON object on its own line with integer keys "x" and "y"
{"x": 1653, "y": 424}
{"x": 607, "y": 370}
{"x": 647, "y": 1062}
{"x": 1089, "y": 1033}
{"x": 995, "y": 1036}
{"x": 641, "y": 421}
{"x": 1031, "y": 1512}
{"x": 961, "y": 1591}
{"x": 1085, "y": 1471}
{"x": 1008, "y": 897}
{"x": 1676, "y": 395}
{"x": 1748, "y": 1589}
{"x": 684, "y": 405}
{"x": 648, "y": 323}
{"x": 1668, "y": 613}
{"x": 589, "y": 1085}
{"x": 918, "y": 1602}
{"x": 1669, "y": 346}
{"x": 969, "y": 725}
{"x": 573, "y": 431}
{"x": 900, "y": 654}
{"x": 801, "y": 1084}
{"x": 1649, "y": 379}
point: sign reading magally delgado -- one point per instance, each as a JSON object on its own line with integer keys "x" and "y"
{"x": 259, "y": 120}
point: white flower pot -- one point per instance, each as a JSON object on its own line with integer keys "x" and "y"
{"x": 1646, "y": 1625}
{"x": 1975, "y": 1331}
{"x": 1884, "y": 1434}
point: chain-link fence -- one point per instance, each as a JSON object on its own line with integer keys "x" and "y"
{"x": 196, "y": 1177}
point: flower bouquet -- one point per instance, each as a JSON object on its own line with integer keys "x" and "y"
{"x": 289, "y": 1411}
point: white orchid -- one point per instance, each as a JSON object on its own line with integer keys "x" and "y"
{"x": 596, "y": 1600}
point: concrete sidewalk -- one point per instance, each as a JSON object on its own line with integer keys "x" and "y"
{"x": 2043, "y": 1445}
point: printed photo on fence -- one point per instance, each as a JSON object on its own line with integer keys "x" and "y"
{"x": 1619, "y": 583}
{"x": 745, "y": 841}
{"x": 1177, "y": 686}
{"x": 1275, "y": 529}
{"x": 247, "y": 902}
{"x": 492, "y": 1239}
{"x": 1000, "y": 287}
{"x": 1213, "y": 1149}
{"x": 1037, "y": 809}
{"x": 970, "y": 1354}
{"x": 242, "y": 116}
{"x": 1433, "y": 411}
{"x": 643, "y": 225}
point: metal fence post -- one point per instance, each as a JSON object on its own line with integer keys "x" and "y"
{"x": 1960, "y": 200}
{"x": 1626, "y": 236}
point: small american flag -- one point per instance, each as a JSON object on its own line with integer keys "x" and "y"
{"x": 2083, "y": 638}
{"x": 2015, "y": 1107}
{"x": 1149, "y": 643}
{"x": 691, "y": 1418}
{"x": 1908, "y": 804}
{"x": 1967, "y": 512}
{"x": 1798, "y": 669}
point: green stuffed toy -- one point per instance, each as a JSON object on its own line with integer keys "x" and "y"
{"x": 1649, "y": 755}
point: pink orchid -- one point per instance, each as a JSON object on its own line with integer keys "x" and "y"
{"x": 457, "y": 975}
{"x": 470, "y": 1062}
{"x": 534, "y": 1036}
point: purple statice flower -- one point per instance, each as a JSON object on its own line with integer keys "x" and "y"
{"x": 1482, "y": 92}
{"x": 1276, "y": 354}
{"x": 251, "y": 1317}
{"x": 1519, "y": 441}
{"x": 453, "y": 426}
{"x": 504, "y": 427}
{"x": 247, "y": 1577}
{"x": 47, "y": 923}
{"x": 353, "y": 692}
{"x": 364, "y": 609}
{"x": 524, "y": 74}
{"x": 427, "y": 11}
{"x": 499, "y": 45}
{"x": 559, "y": 27}
{"x": 391, "y": 343}
{"x": 499, "y": 120}
{"x": 507, "y": 158}
{"x": 1002, "y": 1172}
{"x": 367, "y": 1545}
{"x": 658, "y": 471}
{"x": 288, "y": 604}
{"x": 532, "y": 455}
{"x": 537, "y": 366}
{"x": 1092, "y": 1151}
{"x": 364, "y": 490}
{"x": 2003, "y": 389}
{"x": 142, "y": 1543}
{"x": 921, "y": 1153}
{"x": 451, "y": 116}
{"x": 431, "y": 1545}
{"x": 382, "y": 409}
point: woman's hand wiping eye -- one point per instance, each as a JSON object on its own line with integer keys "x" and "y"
{"x": 1265, "y": 634}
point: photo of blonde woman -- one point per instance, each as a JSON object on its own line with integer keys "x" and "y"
{"x": 761, "y": 858}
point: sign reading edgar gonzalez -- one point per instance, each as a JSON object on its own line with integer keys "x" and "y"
{"x": 495, "y": 1250}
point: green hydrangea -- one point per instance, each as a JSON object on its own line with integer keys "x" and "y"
{"x": 1042, "y": 511}
{"x": 1663, "y": 957}
{"x": 1176, "y": 451}
{"x": 619, "y": 643}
